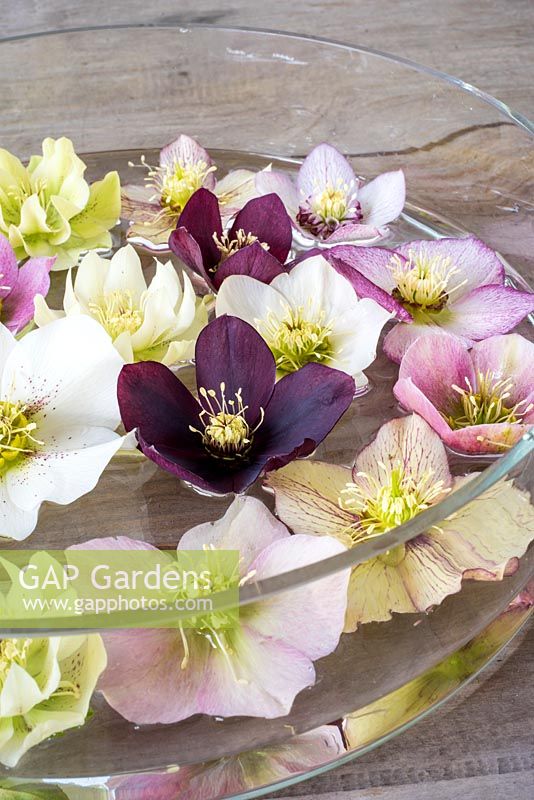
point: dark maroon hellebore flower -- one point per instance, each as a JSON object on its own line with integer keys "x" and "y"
{"x": 243, "y": 422}
{"x": 257, "y": 244}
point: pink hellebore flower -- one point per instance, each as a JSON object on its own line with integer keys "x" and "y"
{"x": 154, "y": 208}
{"x": 478, "y": 401}
{"x": 455, "y": 285}
{"x": 233, "y": 775}
{"x": 255, "y": 669}
{"x": 327, "y": 203}
{"x": 18, "y": 287}
{"x": 401, "y": 473}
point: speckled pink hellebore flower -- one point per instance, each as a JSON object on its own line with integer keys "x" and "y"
{"x": 453, "y": 285}
{"x": 479, "y": 400}
{"x": 18, "y": 287}
{"x": 400, "y": 474}
{"x": 327, "y": 203}
{"x": 253, "y": 669}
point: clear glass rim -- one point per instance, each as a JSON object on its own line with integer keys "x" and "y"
{"x": 496, "y": 471}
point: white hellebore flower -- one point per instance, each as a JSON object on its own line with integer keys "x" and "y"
{"x": 159, "y": 322}
{"x": 45, "y": 687}
{"x": 310, "y": 314}
{"x": 58, "y": 414}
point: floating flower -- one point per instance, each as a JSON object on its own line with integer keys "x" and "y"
{"x": 456, "y": 285}
{"x": 58, "y": 413}
{"x": 49, "y": 209}
{"x": 255, "y": 668}
{"x": 45, "y": 688}
{"x": 242, "y": 423}
{"x": 327, "y": 202}
{"x": 309, "y": 315}
{"x": 257, "y": 243}
{"x": 478, "y": 401}
{"x": 184, "y": 167}
{"x": 401, "y": 473}
{"x": 159, "y": 322}
{"x": 234, "y": 775}
{"x": 18, "y": 287}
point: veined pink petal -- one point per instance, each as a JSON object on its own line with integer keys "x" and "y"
{"x": 477, "y": 264}
{"x": 487, "y": 311}
{"x": 8, "y": 267}
{"x": 402, "y": 336}
{"x": 324, "y": 166}
{"x": 413, "y": 399}
{"x": 409, "y": 442}
{"x": 510, "y": 356}
{"x": 482, "y": 439}
{"x": 354, "y": 232}
{"x": 383, "y": 198}
{"x": 435, "y": 364}
{"x": 33, "y": 279}
{"x": 310, "y": 618}
{"x": 280, "y": 184}
{"x": 373, "y": 262}
{"x": 185, "y": 150}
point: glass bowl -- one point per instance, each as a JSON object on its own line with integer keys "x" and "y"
{"x": 254, "y": 98}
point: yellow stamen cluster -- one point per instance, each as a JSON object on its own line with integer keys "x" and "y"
{"x": 12, "y": 651}
{"x": 175, "y": 183}
{"x": 485, "y": 403}
{"x": 381, "y": 504}
{"x": 296, "y": 340}
{"x": 226, "y": 433}
{"x": 424, "y": 281}
{"x": 116, "y": 312}
{"x": 16, "y": 434}
{"x": 227, "y": 247}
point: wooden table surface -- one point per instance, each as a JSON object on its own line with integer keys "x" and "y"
{"x": 481, "y": 745}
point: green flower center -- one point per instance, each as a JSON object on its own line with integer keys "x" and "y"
{"x": 227, "y": 247}
{"x": 331, "y": 203}
{"x": 381, "y": 505}
{"x": 295, "y": 341}
{"x": 16, "y": 434}
{"x": 225, "y": 431}
{"x": 486, "y": 403}
{"x": 424, "y": 282}
{"x": 117, "y": 313}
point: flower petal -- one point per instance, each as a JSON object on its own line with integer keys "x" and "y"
{"x": 304, "y": 408}
{"x": 230, "y": 352}
{"x": 324, "y": 166}
{"x": 481, "y": 439}
{"x": 89, "y": 281}
{"x": 451, "y": 366}
{"x": 15, "y": 523}
{"x": 187, "y": 249}
{"x": 185, "y": 150}
{"x": 266, "y": 218}
{"x": 382, "y": 199}
{"x": 411, "y": 442}
{"x": 34, "y": 279}
{"x": 253, "y": 261}
{"x": 307, "y": 497}
{"x": 247, "y": 526}
{"x": 488, "y": 310}
{"x": 201, "y": 218}
{"x": 125, "y": 273}
{"x": 374, "y": 263}
{"x": 354, "y": 232}
{"x": 402, "y": 336}
{"x": 511, "y": 357}
{"x": 281, "y": 184}
{"x": 68, "y": 368}
{"x": 8, "y": 267}
{"x": 310, "y": 618}
{"x": 477, "y": 263}
{"x": 413, "y": 399}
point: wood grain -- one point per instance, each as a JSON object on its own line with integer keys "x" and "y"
{"x": 482, "y": 744}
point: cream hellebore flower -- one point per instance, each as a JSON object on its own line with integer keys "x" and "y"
{"x": 308, "y": 315}
{"x": 58, "y": 415}
{"x": 156, "y": 323}
{"x": 45, "y": 688}
{"x": 49, "y": 209}
{"x": 401, "y": 473}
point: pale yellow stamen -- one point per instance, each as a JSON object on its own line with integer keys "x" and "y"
{"x": 227, "y": 247}
{"x": 296, "y": 339}
{"x": 380, "y": 505}
{"x": 175, "y": 183}
{"x": 16, "y": 434}
{"x": 424, "y": 281}
{"x": 117, "y": 313}
{"x": 12, "y": 651}
{"x": 486, "y": 403}
{"x": 226, "y": 432}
